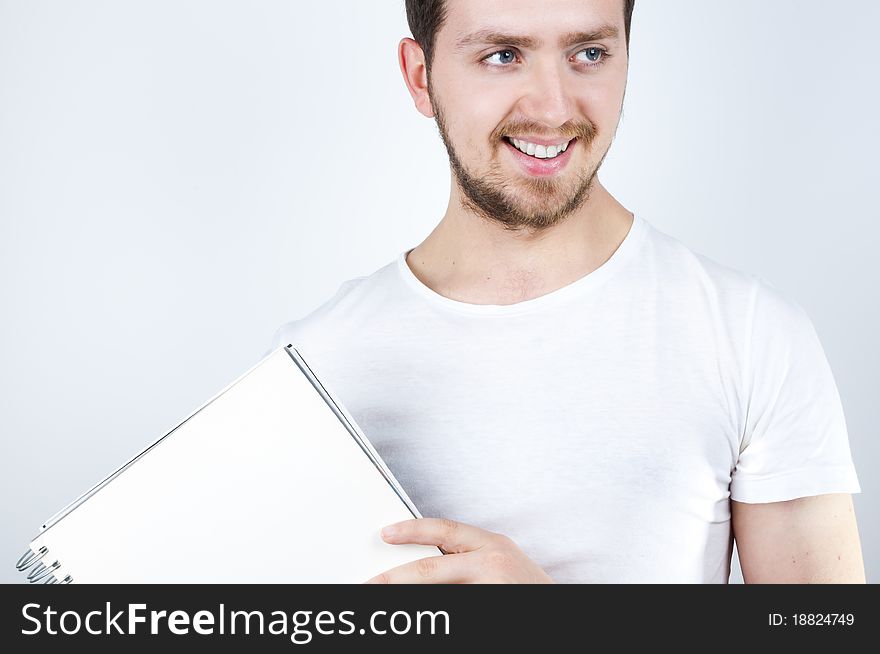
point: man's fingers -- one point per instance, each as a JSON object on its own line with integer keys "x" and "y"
{"x": 450, "y": 569}
{"x": 449, "y": 535}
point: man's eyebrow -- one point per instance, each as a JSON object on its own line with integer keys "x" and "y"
{"x": 609, "y": 32}
{"x": 495, "y": 37}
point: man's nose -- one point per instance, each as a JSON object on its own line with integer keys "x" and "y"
{"x": 547, "y": 94}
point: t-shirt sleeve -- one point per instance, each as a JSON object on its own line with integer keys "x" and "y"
{"x": 295, "y": 332}
{"x": 281, "y": 334}
{"x": 795, "y": 442}
{"x": 290, "y": 333}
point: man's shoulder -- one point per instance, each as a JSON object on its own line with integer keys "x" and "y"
{"x": 680, "y": 263}
{"x": 353, "y": 297}
{"x": 737, "y": 297}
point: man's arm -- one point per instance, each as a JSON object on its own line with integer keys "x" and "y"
{"x": 805, "y": 540}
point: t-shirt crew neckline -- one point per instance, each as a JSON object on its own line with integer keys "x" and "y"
{"x": 625, "y": 251}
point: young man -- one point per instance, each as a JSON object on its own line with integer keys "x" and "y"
{"x": 568, "y": 393}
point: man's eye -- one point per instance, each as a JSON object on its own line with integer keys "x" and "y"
{"x": 594, "y": 55}
{"x": 505, "y": 56}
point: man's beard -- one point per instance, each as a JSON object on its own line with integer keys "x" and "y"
{"x": 497, "y": 195}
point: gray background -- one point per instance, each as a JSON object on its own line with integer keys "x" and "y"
{"x": 179, "y": 178}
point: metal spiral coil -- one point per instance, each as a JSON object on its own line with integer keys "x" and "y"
{"x": 39, "y": 571}
{"x": 30, "y": 557}
{"x": 52, "y": 579}
{"x": 42, "y": 571}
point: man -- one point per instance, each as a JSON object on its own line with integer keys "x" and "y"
{"x": 568, "y": 393}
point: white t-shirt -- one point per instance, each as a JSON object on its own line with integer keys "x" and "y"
{"x": 604, "y": 426}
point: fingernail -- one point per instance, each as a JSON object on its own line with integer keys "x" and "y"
{"x": 389, "y": 531}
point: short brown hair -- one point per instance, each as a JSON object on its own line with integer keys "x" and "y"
{"x": 426, "y": 17}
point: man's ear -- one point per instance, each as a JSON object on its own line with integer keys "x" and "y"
{"x": 411, "y": 58}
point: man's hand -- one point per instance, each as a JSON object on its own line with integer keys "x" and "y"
{"x": 472, "y": 556}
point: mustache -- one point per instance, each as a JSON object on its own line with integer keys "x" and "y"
{"x": 584, "y": 131}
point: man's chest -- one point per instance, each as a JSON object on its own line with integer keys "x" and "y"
{"x": 497, "y": 427}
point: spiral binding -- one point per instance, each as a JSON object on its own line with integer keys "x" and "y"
{"x": 40, "y": 571}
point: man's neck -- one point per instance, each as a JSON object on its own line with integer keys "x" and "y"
{"x": 470, "y": 259}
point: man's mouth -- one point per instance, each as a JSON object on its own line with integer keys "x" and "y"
{"x": 541, "y": 159}
{"x": 538, "y": 150}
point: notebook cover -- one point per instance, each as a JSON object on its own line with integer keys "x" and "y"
{"x": 263, "y": 483}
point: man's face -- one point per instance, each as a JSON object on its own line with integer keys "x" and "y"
{"x": 549, "y": 89}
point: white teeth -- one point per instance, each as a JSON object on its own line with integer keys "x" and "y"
{"x": 540, "y": 151}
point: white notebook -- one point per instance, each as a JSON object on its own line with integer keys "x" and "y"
{"x": 271, "y": 480}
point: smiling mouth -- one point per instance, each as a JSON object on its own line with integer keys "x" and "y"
{"x": 537, "y": 151}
